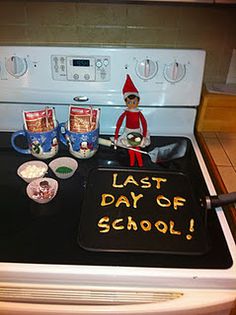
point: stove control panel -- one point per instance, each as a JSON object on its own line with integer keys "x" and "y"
{"x": 81, "y": 68}
{"x": 96, "y": 75}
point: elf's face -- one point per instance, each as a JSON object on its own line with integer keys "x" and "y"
{"x": 132, "y": 103}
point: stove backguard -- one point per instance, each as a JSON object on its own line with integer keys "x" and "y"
{"x": 167, "y": 79}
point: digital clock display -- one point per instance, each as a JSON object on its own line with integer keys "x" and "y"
{"x": 81, "y": 62}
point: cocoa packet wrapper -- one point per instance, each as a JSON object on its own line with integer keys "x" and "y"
{"x": 83, "y": 119}
{"x": 40, "y": 120}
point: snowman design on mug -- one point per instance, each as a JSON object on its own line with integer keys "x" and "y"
{"x": 37, "y": 148}
{"x": 85, "y": 149}
{"x": 42, "y": 145}
{"x": 82, "y": 150}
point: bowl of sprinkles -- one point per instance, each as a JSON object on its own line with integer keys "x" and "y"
{"x": 42, "y": 190}
{"x": 63, "y": 167}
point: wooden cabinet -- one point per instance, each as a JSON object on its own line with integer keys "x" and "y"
{"x": 217, "y": 112}
{"x": 225, "y": 1}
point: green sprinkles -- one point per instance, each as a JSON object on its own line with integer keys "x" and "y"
{"x": 64, "y": 170}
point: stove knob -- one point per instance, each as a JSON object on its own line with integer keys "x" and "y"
{"x": 16, "y": 66}
{"x": 106, "y": 62}
{"x": 86, "y": 76}
{"x": 99, "y": 63}
{"x": 174, "y": 72}
{"x": 146, "y": 69}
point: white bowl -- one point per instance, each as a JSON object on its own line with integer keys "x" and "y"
{"x": 64, "y": 167}
{"x": 42, "y": 190}
{"x": 27, "y": 170}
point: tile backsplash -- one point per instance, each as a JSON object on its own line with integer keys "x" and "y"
{"x": 74, "y": 23}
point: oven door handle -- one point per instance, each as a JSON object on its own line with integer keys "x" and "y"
{"x": 200, "y": 302}
{"x": 81, "y": 99}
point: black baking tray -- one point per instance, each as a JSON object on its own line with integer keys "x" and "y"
{"x": 158, "y": 227}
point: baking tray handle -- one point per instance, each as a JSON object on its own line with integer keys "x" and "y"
{"x": 219, "y": 200}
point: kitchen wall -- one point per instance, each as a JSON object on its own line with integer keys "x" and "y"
{"x": 210, "y": 27}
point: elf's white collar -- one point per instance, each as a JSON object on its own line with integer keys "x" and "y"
{"x": 133, "y": 110}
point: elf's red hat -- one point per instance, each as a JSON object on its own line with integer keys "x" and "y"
{"x": 129, "y": 88}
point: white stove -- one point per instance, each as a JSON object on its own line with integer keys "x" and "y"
{"x": 169, "y": 82}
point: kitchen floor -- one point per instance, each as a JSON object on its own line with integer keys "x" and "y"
{"x": 222, "y": 147}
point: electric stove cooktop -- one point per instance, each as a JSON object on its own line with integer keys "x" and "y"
{"x": 47, "y": 234}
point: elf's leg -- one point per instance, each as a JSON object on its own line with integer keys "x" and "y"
{"x": 131, "y": 157}
{"x": 139, "y": 158}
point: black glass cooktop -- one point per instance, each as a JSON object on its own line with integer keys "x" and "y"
{"x": 34, "y": 233}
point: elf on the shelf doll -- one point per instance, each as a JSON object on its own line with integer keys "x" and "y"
{"x": 134, "y": 120}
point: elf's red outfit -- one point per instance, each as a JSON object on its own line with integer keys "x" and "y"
{"x": 132, "y": 114}
{"x": 133, "y": 119}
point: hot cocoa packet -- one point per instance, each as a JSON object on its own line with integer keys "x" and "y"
{"x": 39, "y": 120}
{"x": 82, "y": 119}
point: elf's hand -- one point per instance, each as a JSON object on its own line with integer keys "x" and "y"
{"x": 115, "y": 144}
{"x": 143, "y": 142}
